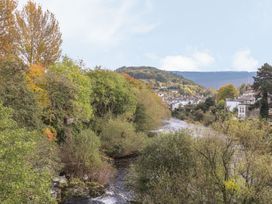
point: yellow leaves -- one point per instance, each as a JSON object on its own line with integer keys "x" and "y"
{"x": 40, "y": 37}
{"x": 227, "y": 91}
{"x": 231, "y": 185}
{"x": 8, "y": 33}
{"x": 50, "y": 134}
{"x": 36, "y": 81}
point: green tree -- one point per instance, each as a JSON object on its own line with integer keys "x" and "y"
{"x": 69, "y": 91}
{"x": 15, "y": 94}
{"x": 111, "y": 94}
{"x": 263, "y": 84}
{"x": 164, "y": 170}
{"x": 226, "y": 91}
{"x": 20, "y": 182}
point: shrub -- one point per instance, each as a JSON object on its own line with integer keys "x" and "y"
{"x": 164, "y": 169}
{"x": 81, "y": 156}
{"x": 21, "y": 179}
{"x": 120, "y": 139}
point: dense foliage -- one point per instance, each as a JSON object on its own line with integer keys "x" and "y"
{"x": 119, "y": 138}
{"x": 56, "y": 117}
{"x": 230, "y": 165}
{"x": 263, "y": 85}
{"x": 22, "y": 180}
{"x": 227, "y": 91}
{"x": 15, "y": 94}
{"x": 111, "y": 94}
{"x": 62, "y": 124}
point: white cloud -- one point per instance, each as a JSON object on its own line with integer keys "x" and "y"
{"x": 101, "y": 23}
{"x": 193, "y": 62}
{"x": 243, "y": 61}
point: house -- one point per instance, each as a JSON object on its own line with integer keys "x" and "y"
{"x": 249, "y": 97}
{"x": 243, "y": 111}
{"x": 232, "y": 104}
{"x": 242, "y": 103}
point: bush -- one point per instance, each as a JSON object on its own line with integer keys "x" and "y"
{"x": 119, "y": 138}
{"x": 21, "y": 180}
{"x": 81, "y": 156}
{"x": 164, "y": 169}
{"x": 208, "y": 118}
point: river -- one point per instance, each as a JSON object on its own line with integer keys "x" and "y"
{"x": 117, "y": 192}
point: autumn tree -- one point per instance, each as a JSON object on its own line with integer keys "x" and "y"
{"x": 14, "y": 93}
{"x": 8, "y": 33}
{"x": 226, "y": 91}
{"x": 36, "y": 82}
{"x": 40, "y": 37}
{"x": 263, "y": 85}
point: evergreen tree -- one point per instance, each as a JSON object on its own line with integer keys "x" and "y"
{"x": 263, "y": 84}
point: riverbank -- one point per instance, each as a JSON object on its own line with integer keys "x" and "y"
{"x": 117, "y": 192}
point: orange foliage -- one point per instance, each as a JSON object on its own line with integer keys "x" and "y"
{"x": 50, "y": 134}
{"x": 36, "y": 82}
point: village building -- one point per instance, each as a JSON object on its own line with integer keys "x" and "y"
{"x": 232, "y": 104}
{"x": 242, "y": 104}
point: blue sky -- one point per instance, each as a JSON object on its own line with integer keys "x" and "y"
{"x": 184, "y": 35}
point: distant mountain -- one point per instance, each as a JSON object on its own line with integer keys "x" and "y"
{"x": 160, "y": 78}
{"x": 217, "y": 79}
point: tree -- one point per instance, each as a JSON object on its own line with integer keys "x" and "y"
{"x": 226, "y": 91}
{"x": 111, "y": 94}
{"x": 150, "y": 110}
{"x": 20, "y": 180}
{"x": 15, "y": 94}
{"x": 263, "y": 85}
{"x": 40, "y": 37}
{"x": 8, "y": 32}
{"x": 81, "y": 82}
{"x": 164, "y": 170}
{"x": 36, "y": 81}
{"x": 69, "y": 91}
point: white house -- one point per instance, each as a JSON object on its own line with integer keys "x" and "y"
{"x": 247, "y": 99}
{"x": 242, "y": 111}
{"x": 231, "y": 104}
{"x": 242, "y": 103}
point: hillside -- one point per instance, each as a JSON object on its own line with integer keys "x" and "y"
{"x": 217, "y": 79}
{"x": 163, "y": 79}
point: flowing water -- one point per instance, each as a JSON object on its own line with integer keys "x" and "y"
{"x": 117, "y": 192}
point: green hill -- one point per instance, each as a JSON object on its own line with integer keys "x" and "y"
{"x": 160, "y": 79}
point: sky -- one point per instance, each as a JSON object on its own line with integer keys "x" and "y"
{"x": 176, "y": 35}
